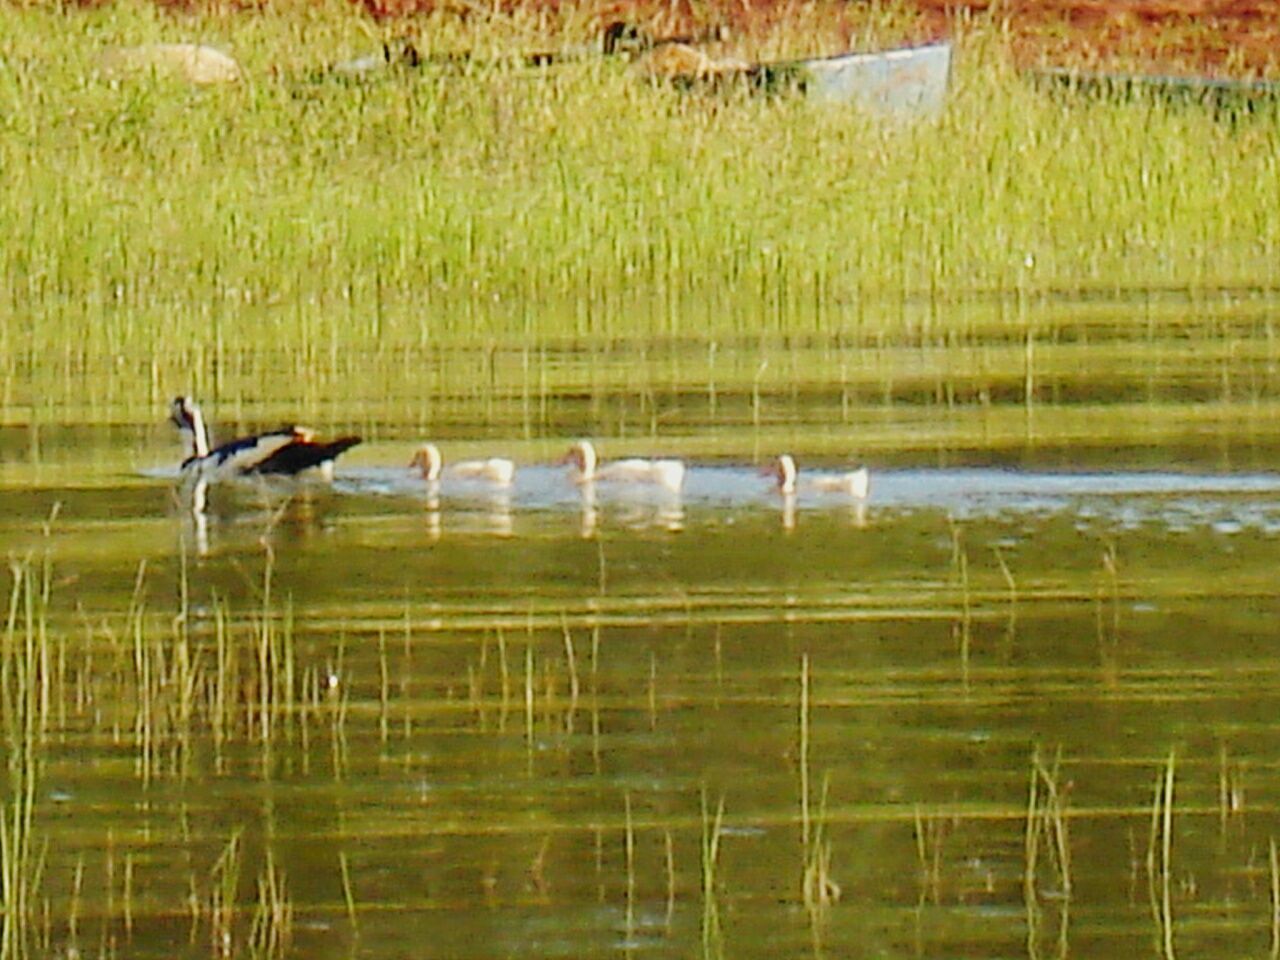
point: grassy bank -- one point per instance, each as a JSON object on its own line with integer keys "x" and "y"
{"x": 156, "y": 225}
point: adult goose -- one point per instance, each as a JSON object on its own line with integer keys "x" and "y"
{"x": 855, "y": 483}
{"x": 587, "y": 468}
{"x": 429, "y": 462}
{"x": 289, "y": 451}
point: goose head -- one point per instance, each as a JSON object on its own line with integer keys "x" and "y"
{"x": 783, "y": 471}
{"x": 582, "y": 456}
{"x": 428, "y": 461}
{"x": 186, "y": 416}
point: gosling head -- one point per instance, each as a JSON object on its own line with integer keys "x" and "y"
{"x": 428, "y": 461}
{"x": 582, "y": 457}
{"x": 783, "y": 471}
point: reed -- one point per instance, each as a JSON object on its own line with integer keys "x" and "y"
{"x": 223, "y": 898}
{"x": 962, "y": 628}
{"x": 24, "y": 709}
{"x": 669, "y": 860}
{"x": 348, "y": 892}
{"x": 271, "y": 930}
{"x": 820, "y": 890}
{"x": 712, "y": 832}
{"x": 1160, "y": 858}
{"x": 1230, "y": 787}
{"x": 1047, "y": 878}
{"x": 574, "y": 683}
{"x": 930, "y": 832}
{"x": 817, "y": 888}
{"x": 1273, "y": 872}
{"x": 1047, "y": 819}
{"x": 629, "y": 846}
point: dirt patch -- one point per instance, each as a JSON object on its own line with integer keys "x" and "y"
{"x": 1236, "y": 38}
{"x": 1213, "y": 38}
{"x": 1206, "y": 38}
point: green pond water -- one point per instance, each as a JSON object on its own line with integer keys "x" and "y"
{"x": 372, "y": 720}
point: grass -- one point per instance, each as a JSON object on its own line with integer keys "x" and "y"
{"x": 1160, "y": 858}
{"x": 24, "y": 689}
{"x": 181, "y": 235}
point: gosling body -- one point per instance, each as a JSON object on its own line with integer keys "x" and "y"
{"x": 855, "y": 483}
{"x": 587, "y": 468}
{"x": 430, "y": 463}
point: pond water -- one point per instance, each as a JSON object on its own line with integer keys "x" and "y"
{"x": 1022, "y": 701}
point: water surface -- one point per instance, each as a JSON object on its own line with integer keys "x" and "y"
{"x": 476, "y": 722}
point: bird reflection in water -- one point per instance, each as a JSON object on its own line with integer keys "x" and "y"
{"x": 498, "y": 514}
{"x": 432, "y": 514}
{"x": 666, "y": 512}
{"x": 590, "y": 512}
{"x": 286, "y": 512}
{"x": 494, "y": 511}
{"x": 857, "y": 512}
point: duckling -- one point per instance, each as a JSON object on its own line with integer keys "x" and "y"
{"x": 289, "y": 451}
{"x": 668, "y": 474}
{"x": 495, "y": 470}
{"x": 856, "y": 483}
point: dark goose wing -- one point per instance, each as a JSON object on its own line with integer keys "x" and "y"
{"x": 302, "y": 454}
{"x": 245, "y": 454}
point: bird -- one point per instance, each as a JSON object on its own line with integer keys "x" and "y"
{"x": 289, "y": 451}
{"x": 855, "y": 483}
{"x": 496, "y": 470}
{"x": 668, "y": 474}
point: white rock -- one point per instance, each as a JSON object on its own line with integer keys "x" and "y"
{"x": 192, "y": 62}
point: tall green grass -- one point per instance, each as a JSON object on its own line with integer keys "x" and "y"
{"x": 144, "y": 217}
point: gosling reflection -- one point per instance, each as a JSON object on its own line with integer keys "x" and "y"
{"x": 669, "y": 515}
{"x": 590, "y": 519}
{"x": 856, "y": 514}
{"x": 431, "y": 515}
{"x": 491, "y": 515}
{"x": 498, "y": 514}
{"x": 663, "y": 512}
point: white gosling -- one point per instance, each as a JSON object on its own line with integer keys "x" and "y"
{"x": 856, "y": 483}
{"x": 668, "y": 474}
{"x": 495, "y": 470}
{"x": 289, "y": 451}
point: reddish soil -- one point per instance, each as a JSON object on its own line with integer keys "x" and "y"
{"x": 1238, "y": 38}
{"x": 1219, "y": 38}
{"x": 1215, "y": 38}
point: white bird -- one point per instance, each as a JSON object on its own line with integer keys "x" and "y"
{"x": 495, "y": 470}
{"x": 856, "y": 483}
{"x": 288, "y": 451}
{"x": 668, "y": 474}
